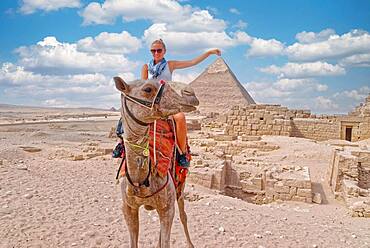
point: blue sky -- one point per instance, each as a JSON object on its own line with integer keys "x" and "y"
{"x": 301, "y": 54}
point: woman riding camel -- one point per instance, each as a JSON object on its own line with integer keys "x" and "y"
{"x": 160, "y": 69}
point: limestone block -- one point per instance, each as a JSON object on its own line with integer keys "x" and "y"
{"x": 304, "y": 193}
{"x": 294, "y": 183}
{"x": 270, "y": 192}
{"x": 317, "y": 198}
{"x": 217, "y": 180}
{"x": 292, "y": 191}
{"x": 78, "y": 157}
{"x": 194, "y": 125}
{"x": 350, "y": 188}
{"x": 254, "y": 127}
{"x": 283, "y": 197}
{"x": 270, "y": 183}
{"x": 105, "y": 151}
{"x": 280, "y": 188}
{"x": 223, "y": 137}
{"x": 276, "y": 128}
{"x": 248, "y": 186}
{"x": 299, "y": 198}
{"x": 93, "y": 155}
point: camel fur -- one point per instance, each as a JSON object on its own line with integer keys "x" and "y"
{"x": 161, "y": 193}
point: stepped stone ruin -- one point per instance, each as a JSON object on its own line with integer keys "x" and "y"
{"x": 349, "y": 177}
{"x": 234, "y": 125}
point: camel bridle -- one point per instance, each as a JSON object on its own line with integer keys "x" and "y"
{"x": 149, "y": 105}
{"x": 146, "y": 104}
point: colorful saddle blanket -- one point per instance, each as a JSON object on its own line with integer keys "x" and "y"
{"x": 163, "y": 155}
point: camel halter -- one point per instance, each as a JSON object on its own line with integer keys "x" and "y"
{"x": 145, "y": 153}
{"x": 143, "y": 103}
{"x": 147, "y": 104}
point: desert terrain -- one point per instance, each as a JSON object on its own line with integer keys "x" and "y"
{"x": 58, "y": 189}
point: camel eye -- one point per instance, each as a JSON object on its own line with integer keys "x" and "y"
{"x": 148, "y": 90}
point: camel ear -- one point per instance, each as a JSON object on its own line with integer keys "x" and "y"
{"x": 121, "y": 85}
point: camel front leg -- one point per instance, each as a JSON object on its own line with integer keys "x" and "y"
{"x": 166, "y": 216}
{"x": 184, "y": 219}
{"x": 132, "y": 221}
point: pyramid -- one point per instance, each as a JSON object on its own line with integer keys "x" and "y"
{"x": 218, "y": 89}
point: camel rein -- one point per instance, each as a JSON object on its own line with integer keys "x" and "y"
{"x": 145, "y": 152}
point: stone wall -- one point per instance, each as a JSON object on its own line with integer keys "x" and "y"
{"x": 261, "y": 119}
{"x": 267, "y": 119}
{"x": 349, "y": 178}
{"x": 364, "y": 128}
{"x": 316, "y": 129}
{"x": 363, "y": 160}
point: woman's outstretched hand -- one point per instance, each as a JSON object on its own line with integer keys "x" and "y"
{"x": 215, "y": 51}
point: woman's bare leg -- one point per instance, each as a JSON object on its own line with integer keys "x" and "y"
{"x": 181, "y": 130}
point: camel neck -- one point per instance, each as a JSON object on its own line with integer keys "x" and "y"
{"x": 136, "y": 140}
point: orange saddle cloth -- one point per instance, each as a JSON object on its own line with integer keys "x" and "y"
{"x": 164, "y": 146}
{"x": 164, "y": 151}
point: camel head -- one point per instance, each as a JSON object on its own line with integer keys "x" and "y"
{"x": 150, "y": 100}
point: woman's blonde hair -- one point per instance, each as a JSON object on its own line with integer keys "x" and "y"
{"x": 159, "y": 41}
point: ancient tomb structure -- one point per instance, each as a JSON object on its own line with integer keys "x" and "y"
{"x": 267, "y": 119}
{"x": 217, "y": 89}
{"x": 232, "y": 173}
{"x": 349, "y": 176}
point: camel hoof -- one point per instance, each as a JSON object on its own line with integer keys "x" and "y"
{"x": 147, "y": 207}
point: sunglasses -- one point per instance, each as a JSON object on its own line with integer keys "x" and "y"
{"x": 156, "y": 50}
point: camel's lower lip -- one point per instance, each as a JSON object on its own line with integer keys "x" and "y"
{"x": 187, "y": 108}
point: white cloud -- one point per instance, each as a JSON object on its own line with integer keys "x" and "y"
{"x": 17, "y": 75}
{"x": 60, "y": 90}
{"x": 53, "y": 56}
{"x": 299, "y": 84}
{"x": 293, "y": 93}
{"x": 324, "y": 103}
{"x": 156, "y": 10}
{"x": 286, "y": 84}
{"x": 242, "y": 37}
{"x": 184, "y": 77}
{"x": 336, "y": 46}
{"x": 114, "y": 43}
{"x": 321, "y": 87}
{"x": 199, "y": 21}
{"x": 30, "y": 6}
{"x": 262, "y": 91}
{"x": 358, "y": 60}
{"x": 311, "y": 37}
{"x": 183, "y": 42}
{"x": 295, "y": 70}
{"x": 240, "y": 25}
{"x": 355, "y": 94}
{"x": 234, "y": 11}
{"x": 179, "y": 18}
{"x": 261, "y": 47}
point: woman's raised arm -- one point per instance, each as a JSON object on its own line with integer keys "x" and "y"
{"x": 173, "y": 64}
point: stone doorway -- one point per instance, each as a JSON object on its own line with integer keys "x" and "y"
{"x": 348, "y": 133}
{"x": 350, "y": 130}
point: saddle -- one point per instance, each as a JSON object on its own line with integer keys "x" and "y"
{"x": 163, "y": 152}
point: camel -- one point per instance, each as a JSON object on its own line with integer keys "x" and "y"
{"x": 144, "y": 102}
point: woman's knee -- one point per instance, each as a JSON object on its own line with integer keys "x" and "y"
{"x": 179, "y": 117}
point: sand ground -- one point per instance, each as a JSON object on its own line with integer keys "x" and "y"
{"x": 48, "y": 200}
